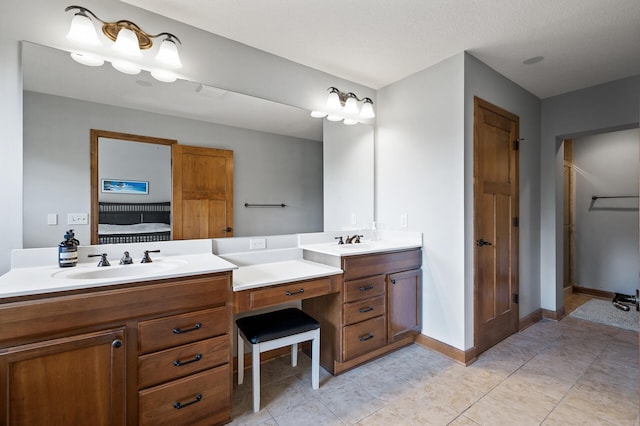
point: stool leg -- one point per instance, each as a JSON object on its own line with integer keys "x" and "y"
{"x": 240, "y": 359}
{"x": 255, "y": 367}
{"x": 315, "y": 360}
{"x": 294, "y": 355}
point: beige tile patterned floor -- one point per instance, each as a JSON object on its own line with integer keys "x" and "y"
{"x": 571, "y": 372}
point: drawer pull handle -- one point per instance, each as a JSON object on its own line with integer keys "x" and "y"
{"x": 289, "y": 293}
{"x": 179, "y": 363}
{"x": 369, "y": 287}
{"x": 367, "y": 337}
{"x": 179, "y": 405}
{"x": 178, "y": 330}
{"x": 363, "y": 310}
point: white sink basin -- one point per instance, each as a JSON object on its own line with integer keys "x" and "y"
{"x": 119, "y": 271}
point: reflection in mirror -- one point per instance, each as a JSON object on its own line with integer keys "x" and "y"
{"x": 131, "y": 188}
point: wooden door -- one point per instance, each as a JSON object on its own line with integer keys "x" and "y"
{"x": 568, "y": 213}
{"x": 403, "y": 300}
{"x": 202, "y": 192}
{"x": 496, "y": 134}
{"x": 77, "y": 380}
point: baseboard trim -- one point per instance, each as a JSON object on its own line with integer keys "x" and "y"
{"x": 530, "y": 319}
{"x": 461, "y": 357}
{"x": 593, "y": 292}
{"x": 556, "y": 315}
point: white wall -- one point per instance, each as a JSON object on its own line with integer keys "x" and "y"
{"x": 268, "y": 168}
{"x": 606, "y": 230}
{"x": 419, "y": 171}
{"x": 348, "y": 175}
{"x": 485, "y": 83}
{"x": 606, "y": 107}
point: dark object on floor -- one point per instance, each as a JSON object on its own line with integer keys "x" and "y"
{"x": 620, "y": 301}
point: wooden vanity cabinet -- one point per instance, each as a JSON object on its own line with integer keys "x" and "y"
{"x": 380, "y": 305}
{"x": 107, "y": 356}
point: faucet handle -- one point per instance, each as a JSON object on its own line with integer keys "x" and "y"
{"x": 357, "y": 238}
{"x": 146, "y": 258}
{"x": 340, "y": 240}
{"x": 103, "y": 259}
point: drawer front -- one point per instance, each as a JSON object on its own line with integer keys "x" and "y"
{"x": 364, "y": 288}
{"x": 177, "y": 330}
{"x": 363, "y": 310}
{"x": 384, "y": 263}
{"x": 187, "y": 400}
{"x": 364, "y": 337}
{"x": 171, "y": 364}
{"x": 289, "y": 292}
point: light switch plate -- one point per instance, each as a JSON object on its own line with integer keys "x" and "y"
{"x": 52, "y": 219}
{"x": 78, "y": 219}
{"x": 257, "y": 243}
{"x": 404, "y": 220}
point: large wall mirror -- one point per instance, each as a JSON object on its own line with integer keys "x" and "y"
{"x": 130, "y": 188}
{"x": 277, "y": 148}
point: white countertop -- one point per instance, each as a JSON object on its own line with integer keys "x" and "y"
{"x": 47, "y": 279}
{"x": 266, "y": 274}
{"x": 365, "y": 247}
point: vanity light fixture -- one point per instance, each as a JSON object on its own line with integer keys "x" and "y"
{"x": 344, "y": 107}
{"x": 129, "y": 40}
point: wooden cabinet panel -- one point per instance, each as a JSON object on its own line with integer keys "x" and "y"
{"x": 188, "y": 400}
{"x": 364, "y": 337}
{"x": 363, "y": 288}
{"x": 177, "y": 330}
{"x": 68, "y": 381}
{"x": 379, "y": 264}
{"x": 403, "y": 301}
{"x": 269, "y": 296}
{"x": 179, "y": 362}
{"x": 363, "y": 310}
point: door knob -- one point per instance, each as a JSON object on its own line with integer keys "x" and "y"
{"x": 227, "y": 229}
{"x": 482, "y": 242}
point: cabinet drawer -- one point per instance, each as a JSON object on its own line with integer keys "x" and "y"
{"x": 364, "y": 288}
{"x": 170, "y": 364}
{"x": 363, "y": 310}
{"x": 289, "y": 292}
{"x": 187, "y": 400}
{"x": 364, "y": 337}
{"x": 383, "y": 263}
{"x": 177, "y": 330}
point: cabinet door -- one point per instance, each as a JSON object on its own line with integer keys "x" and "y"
{"x": 75, "y": 380}
{"x": 403, "y": 302}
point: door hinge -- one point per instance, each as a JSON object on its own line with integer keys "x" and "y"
{"x": 516, "y": 144}
{"x": 516, "y": 298}
{"x": 516, "y": 222}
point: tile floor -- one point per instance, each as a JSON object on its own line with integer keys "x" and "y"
{"x": 571, "y": 372}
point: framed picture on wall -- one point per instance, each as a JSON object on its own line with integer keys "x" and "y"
{"x": 117, "y": 186}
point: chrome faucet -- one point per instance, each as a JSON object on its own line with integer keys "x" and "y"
{"x": 354, "y": 239}
{"x": 339, "y": 240}
{"x": 126, "y": 259}
{"x": 103, "y": 259}
{"x": 146, "y": 258}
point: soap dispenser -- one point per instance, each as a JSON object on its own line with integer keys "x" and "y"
{"x": 68, "y": 250}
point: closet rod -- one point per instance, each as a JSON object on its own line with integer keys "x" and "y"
{"x": 595, "y": 197}
{"x": 265, "y": 205}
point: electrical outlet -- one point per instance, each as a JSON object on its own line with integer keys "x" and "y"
{"x": 354, "y": 219}
{"x": 257, "y": 243}
{"x": 404, "y": 220}
{"x": 78, "y": 219}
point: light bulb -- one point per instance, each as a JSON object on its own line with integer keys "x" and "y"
{"x": 351, "y": 106}
{"x": 333, "y": 101}
{"x": 86, "y": 59}
{"x": 350, "y": 121}
{"x": 168, "y": 54}
{"x": 82, "y": 30}
{"x": 127, "y": 43}
{"x": 367, "y": 109}
{"x": 333, "y": 117}
{"x": 318, "y": 114}
{"x": 164, "y": 76}
{"x": 126, "y": 67}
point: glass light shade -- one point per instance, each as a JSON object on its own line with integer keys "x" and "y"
{"x": 333, "y": 117}
{"x": 168, "y": 54}
{"x": 318, "y": 114}
{"x": 83, "y": 31}
{"x": 164, "y": 76}
{"x": 350, "y": 121}
{"x": 126, "y": 67}
{"x": 351, "y": 106}
{"x": 127, "y": 44}
{"x": 367, "y": 110}
{"x": 333, "y": 102}
{"x": 85, "y": 59}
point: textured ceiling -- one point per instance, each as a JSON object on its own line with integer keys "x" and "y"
{"x": 377, "y": 42}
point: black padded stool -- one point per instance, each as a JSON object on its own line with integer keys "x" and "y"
{"x": 274, "y": 330}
